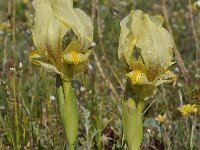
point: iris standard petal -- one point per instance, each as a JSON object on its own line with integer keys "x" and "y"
{"x": 47, "y": 31}
{"x": 125, "y": 30}
{"x": 76, "y": 19}
{"x": 154, "y": 41}
{"x": 139, "y": 31}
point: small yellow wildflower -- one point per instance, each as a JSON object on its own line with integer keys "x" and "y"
{"x": 161, "y": 118}
{"x": 188, "y": 109}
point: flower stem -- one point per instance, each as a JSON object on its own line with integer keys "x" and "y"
{"x": 132, "y": 118}
{"x": 68, "y": 110}
{"x": 71, "y": 147}
{"x": 133, "y": 123}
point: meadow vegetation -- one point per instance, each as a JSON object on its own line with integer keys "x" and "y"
{"x": 29, "y": 114}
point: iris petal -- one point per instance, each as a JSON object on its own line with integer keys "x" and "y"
{"x": 47, "y": 30}
{"x": 75, "y": 57}
{"x": 140, "y": 31}
{"x": 76, "y": 19}
{"x": 39, "y": 59}
{"x": 166, "y": 77}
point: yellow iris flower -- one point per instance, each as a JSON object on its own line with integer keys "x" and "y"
{"x": 145, "y": 48}
{"x": 53, "y": 19}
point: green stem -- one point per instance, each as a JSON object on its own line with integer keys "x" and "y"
{"x": 71, "y": 147}
{"x": 16, "y": 112}
{"x": 192, "y": 132}
{"x": 133, "y": 122}
{"x": 68, "y": 110}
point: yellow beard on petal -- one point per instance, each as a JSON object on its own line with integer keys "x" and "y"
{"x": 73, "y": 56}
{"x": 138, "y": 77}
{"x": 134, "y": 76}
